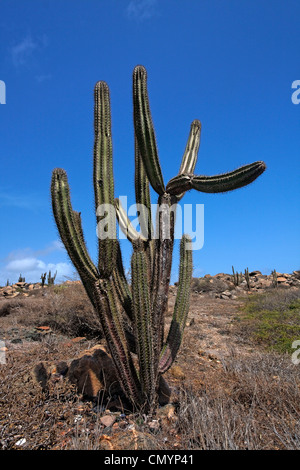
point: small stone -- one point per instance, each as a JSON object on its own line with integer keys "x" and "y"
{"x": 21, "y": 442}
{"x": 108, "y": 420}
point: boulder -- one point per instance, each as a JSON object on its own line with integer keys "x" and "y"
{"x": 93, "y": 371}
{"x": 254, "y": 273}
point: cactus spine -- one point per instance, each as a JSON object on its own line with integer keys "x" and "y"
{"x": 132, "y": 316}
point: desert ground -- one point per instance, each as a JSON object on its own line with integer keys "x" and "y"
{"x": 234, "y": 384}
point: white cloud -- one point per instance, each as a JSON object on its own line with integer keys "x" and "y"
{"x": 141, "y": 9}
{"x": 30, "y": 264}
{"x": 26, "y": 264}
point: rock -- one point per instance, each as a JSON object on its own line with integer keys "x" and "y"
{"x": 41, "y": 375}
{"x": 281, "y": 279}
{"x": 94, "y": 372}
{"x": 254, "y": 273}
{"x": 264, "y": 283}
{"x": 43, "y": 329}
{"x": 22, "y": 285}
{"x": 108, "y": 420}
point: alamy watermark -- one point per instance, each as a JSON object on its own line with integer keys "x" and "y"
{"x": 296, "y": 354}
{"x": 296, "y": 94}
{"x": 189, "y": 220}
{"x": 2, "y": 92}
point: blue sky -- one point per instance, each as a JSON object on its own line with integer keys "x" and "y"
{"x": 230, "y": 64}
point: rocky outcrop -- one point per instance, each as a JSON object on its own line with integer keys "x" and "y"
{"x": 222, "y": 285}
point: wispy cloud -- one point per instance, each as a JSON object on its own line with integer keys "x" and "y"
{"x": 23, "y": 50}
{"x": 24, "y": 53}
{"x": 141, "y": 9}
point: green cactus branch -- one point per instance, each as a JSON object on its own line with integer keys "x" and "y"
{"x": 170, "y": 349}
{"x": 132, "y": 314}
{"x": 144, "y": 130}
{"x": 219, "y": 183}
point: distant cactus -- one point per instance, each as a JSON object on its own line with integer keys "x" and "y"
{"x": 247, "y": 278}
{"x": 43, "y": 278}
{"x": 21, "y": 279}
{"x": 236, "y": 277}
{"x": 143, "y": 303}
{"x": 51, "y": 278}
{"x": 274, "y": 278}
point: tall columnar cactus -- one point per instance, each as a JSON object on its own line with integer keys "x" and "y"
{"x": 132, "y": 316}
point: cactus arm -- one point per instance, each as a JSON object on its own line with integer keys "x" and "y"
{"x": 181, "y": 308}
{"x": 190, "y": 155}
{"x": 78, "y": 224}
{"x": 144, "y": 130}
{"x": 218, "y": 183}
{"x": 142, "y": 312}
{"x": 103, "y": 174}
{"x": 67, "y": 226}
{"x": 125, "y": 224}
{"x": 228, "y": 181}
{"x": 142, "y": 195}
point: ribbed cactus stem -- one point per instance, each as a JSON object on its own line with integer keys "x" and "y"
{"x": 142, "y": 194}
{"x": 142, "y": 310}
{"x": 228, "y": 181}
{"x": 103, "y": 177}
{"x": 181, "y": 308}
{"x": 190, "y": 155}
{"x": 124, "y": 222}
{"x": 112, "y": 325}
{"x": 67, "y": 226}
{"x": 144, "y": 130}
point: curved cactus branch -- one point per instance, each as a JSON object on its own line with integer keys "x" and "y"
{"x": 68, "y": 226}
{"x": 144, "y": 130}
{"x": 190, "y": 155}
{"x": 125, "y": 224}
{"x": 216, "y": 184}
{"x": 228, "y": 181}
